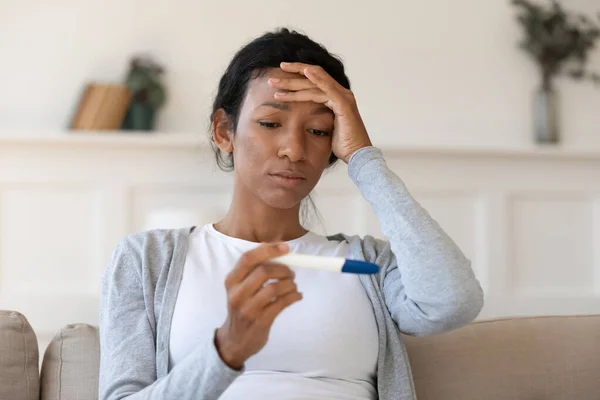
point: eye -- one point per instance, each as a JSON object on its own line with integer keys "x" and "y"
{"x": 268, "y": 125}
{"x": 318, "y": 132}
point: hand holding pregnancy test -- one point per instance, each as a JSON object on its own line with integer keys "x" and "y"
{"x": 336, "y": 264}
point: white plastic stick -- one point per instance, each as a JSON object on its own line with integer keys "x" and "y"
{"x": 309, "y": 261}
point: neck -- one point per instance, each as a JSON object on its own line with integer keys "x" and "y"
{"x": 249, "y": 218}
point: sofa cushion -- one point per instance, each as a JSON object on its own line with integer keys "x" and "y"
{"x": 71, "y": 363}
{"x": 19, "y": 358}
{"x": 550, "y": 358}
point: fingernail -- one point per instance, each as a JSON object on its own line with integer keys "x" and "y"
{"x": 275, "y": 80}
{"x": 283, "y": 247}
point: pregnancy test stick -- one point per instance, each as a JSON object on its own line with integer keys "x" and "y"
{"x": 336, "y": 264}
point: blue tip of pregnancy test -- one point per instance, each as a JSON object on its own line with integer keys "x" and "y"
{"x": 360, "y": 267}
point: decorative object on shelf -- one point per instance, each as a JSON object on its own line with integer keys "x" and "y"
{"x": 101, "y": 107}
{"x": 148, "y": 94}
{"x": 560, "y": 43}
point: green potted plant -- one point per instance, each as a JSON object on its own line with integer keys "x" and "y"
{"x": 560, "y": 43}
{"x": 147, "y": 94}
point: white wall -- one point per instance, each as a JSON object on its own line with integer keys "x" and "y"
{"x": 424, "y": 72}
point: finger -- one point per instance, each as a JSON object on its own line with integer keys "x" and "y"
{"x": 272, "y": 311}
{"x": 291, "y": 84}
{"x": 315, "y": 95}
{"x": 267, "y": 295}
{"x": 325, "y": 82}
{"x": 256, "y": 280}
{"x": 317, "y": 75}
{"x": 250, "y": 259}
{"x": 294, "y": 67}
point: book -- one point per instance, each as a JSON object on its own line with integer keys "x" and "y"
{"x": 101, "y": 107}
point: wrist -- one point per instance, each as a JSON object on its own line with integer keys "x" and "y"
{"x": 355, "y": 149}
{"x": 227, "y": 352}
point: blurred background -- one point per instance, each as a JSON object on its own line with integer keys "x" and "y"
{"x": 511, "y": 171}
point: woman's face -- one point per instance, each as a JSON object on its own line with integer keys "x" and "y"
{"x": 280, "y": 149}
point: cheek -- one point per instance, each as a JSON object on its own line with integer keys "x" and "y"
{"x": 321, "y": 153}
{"x": 249, "y": 152}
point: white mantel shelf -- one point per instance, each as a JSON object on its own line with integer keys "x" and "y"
{"x": 107, "y": 138}
{"x": 173, "y": 141}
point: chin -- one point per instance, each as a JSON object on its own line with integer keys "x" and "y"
{"x": 282, "y": 201}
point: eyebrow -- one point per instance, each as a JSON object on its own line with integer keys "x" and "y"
{"x": 285, "y": 107}
{"x": 279, "y": 106}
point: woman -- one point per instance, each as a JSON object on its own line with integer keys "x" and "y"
{"x": 199, "y": 314}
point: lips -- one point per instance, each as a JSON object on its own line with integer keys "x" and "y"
{"x": 288, "y": 178}
{"x": 290, "y": 175}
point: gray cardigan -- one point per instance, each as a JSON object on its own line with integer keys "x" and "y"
{"x": 425, "y": 286}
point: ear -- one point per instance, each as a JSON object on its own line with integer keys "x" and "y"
{"x": 222, "y": 132}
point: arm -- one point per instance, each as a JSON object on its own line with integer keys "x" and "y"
{"x": 429, "y": 286}
{"x": 127, "y": 341}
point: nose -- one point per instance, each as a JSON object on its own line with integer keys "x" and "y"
{"x": 293, "y": 144}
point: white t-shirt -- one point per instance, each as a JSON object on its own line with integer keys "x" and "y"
{"x": 325, "y": 346}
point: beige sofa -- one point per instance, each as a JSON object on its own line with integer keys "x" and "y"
{"x": 545, "y": 358}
